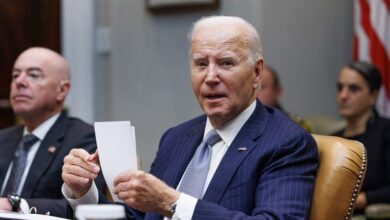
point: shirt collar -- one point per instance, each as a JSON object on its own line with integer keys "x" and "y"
{"x": 41, "y": 131}
{"x": 230, "y": 130}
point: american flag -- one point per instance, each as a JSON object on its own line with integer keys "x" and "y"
{"x": 372, "y": 43}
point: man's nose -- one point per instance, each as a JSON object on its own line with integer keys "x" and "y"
{"x": 21, "y": 79}
{"x": 212, "y": 73}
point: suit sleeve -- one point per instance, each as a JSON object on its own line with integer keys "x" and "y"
{"x": 284, "y": 188}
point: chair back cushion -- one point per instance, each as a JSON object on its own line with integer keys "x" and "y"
{"x": 339, "y": 177}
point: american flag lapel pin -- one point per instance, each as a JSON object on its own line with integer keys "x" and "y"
{"x": 52, "y": 149}
{"x": 242, "y": 149}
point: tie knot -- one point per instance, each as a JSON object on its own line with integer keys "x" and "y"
{"x": 212, "y": 137}
{"x": 29, "y": 140}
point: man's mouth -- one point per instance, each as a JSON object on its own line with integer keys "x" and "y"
{"x": 21, "y": 97}
{"x": 215, "y": 97}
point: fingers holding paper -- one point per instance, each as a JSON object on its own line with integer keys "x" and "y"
{"x": 145, "y": 192}
{"x": 79, "y": 169}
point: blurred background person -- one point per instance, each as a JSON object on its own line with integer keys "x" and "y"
{"x": 32, "y": 154}
{"x": 357, "y": 90}
{"x": 270, "y": 92}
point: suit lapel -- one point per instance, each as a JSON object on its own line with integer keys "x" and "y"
{"x": 8, "y": 147}
{"x": 44, "y": 157}
{"x": 183, "y": 150}
{"x": 240, "y": 148}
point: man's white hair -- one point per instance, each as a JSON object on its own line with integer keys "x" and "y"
{"x": 254, "y": 42}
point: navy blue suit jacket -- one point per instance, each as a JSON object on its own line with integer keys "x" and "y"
{"x": 42, "y": 188}
{"x": 272, "y": 179}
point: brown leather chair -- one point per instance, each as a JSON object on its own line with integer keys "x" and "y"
{"x": 339, "y": 178}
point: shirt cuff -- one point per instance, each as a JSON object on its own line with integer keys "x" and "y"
{"x": 185, "y": 207}
{"x": 91, "y": 197}
{"x": 24, "y": 207}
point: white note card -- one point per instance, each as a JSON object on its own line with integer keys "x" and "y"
{"x": 117, "y": 150}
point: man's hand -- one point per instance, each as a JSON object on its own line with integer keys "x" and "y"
{"x": 5, "y": 205}
{"x": 145, "y": 192}
{"x": 79, "y": 169}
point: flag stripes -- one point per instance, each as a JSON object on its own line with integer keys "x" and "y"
{"x": 372, "y": 42}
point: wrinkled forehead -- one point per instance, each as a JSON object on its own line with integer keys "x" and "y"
{"x": 230, "y": 38}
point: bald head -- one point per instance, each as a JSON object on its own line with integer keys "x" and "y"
{"x": 50, "y": 58}
{"x": 250, "y": 39}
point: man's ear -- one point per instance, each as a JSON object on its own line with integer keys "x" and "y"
{"x": 258, "y": 72}
{"x": 63, "y": 90}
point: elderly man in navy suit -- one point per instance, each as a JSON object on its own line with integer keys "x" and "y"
{"x": 32, "y": 154}
{"x": 241, "y": 160}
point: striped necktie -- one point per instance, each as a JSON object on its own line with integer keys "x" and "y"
{"x": 19, "y": 164}
{"x": 195, "y": 175}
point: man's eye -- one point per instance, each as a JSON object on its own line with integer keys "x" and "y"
{"x": 34, "y": 74}
{"x": 15, "y": 75}
{"x": 226, "y": 63}
{"x": 200, "y": 63}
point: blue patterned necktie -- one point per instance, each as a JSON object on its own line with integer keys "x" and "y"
{"x": 195, "y": 175}
{"x": 19, "y": 164}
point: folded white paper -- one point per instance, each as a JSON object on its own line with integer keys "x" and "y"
{"x": 117, "y": 150}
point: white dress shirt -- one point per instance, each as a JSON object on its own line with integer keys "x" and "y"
{"x": 185, "y": 205}
{"x": 40, "y": 132}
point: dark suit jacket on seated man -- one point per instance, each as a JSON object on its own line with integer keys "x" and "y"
{"x": 262, "y": 165}
{"x": 40, "y": 83}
